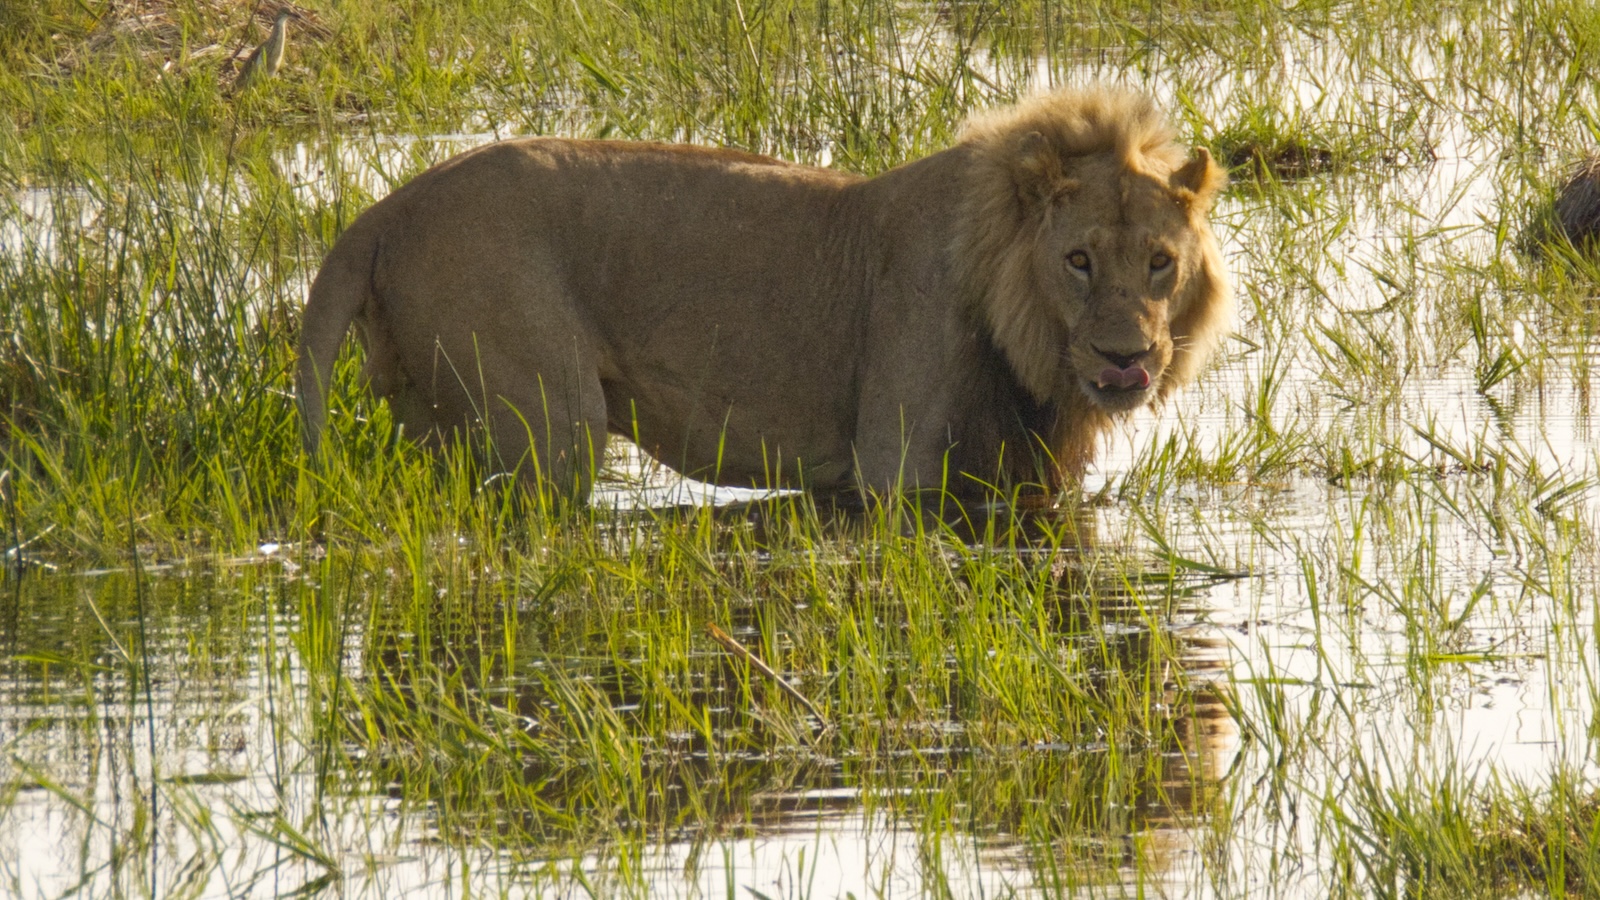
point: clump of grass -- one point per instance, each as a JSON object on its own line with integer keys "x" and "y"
{"x": 1457, "y": 836}
{"x": 1267, "y": 142}
{"x": 1273, "y": 155}
{"x": 1543, "y": 840}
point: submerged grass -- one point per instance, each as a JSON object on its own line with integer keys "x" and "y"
{"x": 225, "y": 670}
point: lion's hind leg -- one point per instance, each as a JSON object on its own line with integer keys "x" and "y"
{"x": 548, "y": 431}
{"x": 385, "y": 375}
{"x": 552, "y": 433}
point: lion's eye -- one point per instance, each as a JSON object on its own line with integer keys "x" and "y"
{"x": 1079, "y": 260}
{"x": 1160, "y": 262}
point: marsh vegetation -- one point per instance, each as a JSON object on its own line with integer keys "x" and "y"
{"x": 1326, "y": 626}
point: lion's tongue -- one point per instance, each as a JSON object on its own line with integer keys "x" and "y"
{"x": 1131, "y": 377}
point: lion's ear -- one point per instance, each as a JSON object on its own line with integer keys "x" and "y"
{"x": 1038, "y": 171}
{"x": 1198, "y": 180}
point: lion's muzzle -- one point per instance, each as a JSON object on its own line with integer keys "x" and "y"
{"x": 1122, "y": 381}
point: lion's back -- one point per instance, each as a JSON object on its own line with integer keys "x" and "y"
{"x": 705, "y": 286}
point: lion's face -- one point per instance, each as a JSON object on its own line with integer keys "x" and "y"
{"x": 1096, "y": 270}
{"x": 1083, "y": 244}
{"x": 1116, "y": 261}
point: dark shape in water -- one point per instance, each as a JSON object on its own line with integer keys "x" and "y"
{"x": 1571, "y": 219}
{"x": 1576, "y": 213}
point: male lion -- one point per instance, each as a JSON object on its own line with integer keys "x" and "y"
{"x": 975, "y": 318}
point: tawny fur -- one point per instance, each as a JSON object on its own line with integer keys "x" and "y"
{"x": 754, "y": 322}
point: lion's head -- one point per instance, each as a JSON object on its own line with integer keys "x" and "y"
{"x": 1084, "y": 242}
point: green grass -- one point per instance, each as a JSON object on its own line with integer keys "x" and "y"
{"x": 1269, "y": 651}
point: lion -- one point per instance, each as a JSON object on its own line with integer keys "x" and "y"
{"x": 972, "y": 321}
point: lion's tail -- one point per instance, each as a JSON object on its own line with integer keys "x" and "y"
{"x": 342, "y": 286}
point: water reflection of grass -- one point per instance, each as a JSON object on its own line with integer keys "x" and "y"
{"x": 1397, "y": 449}
{"x": 1038, "y": 701}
